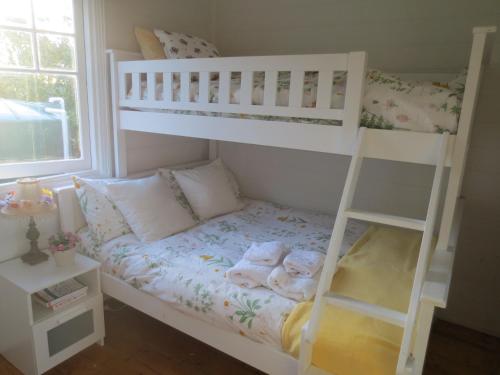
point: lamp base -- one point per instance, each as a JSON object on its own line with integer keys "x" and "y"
{"x": 34, "y": 257}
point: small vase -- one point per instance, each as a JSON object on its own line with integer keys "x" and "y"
{"x": 65, "y": 258}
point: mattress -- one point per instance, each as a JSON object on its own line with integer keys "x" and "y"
{"x": 187, "y": 270}
{"x": 389, "y": 103}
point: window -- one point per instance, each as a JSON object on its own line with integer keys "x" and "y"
{"x": 43, "y": 98}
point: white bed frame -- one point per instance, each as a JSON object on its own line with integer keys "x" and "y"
{"x": 393, "y": 145}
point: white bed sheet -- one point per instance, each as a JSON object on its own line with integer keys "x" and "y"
{"x": 187, "y": 270}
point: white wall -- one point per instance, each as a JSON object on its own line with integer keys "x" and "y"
{"x": 414, "y": 36}
{"x": 147, "y": 151}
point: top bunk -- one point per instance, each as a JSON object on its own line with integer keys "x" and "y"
{"x": 307, "y": 102}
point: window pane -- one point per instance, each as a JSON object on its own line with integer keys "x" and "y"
{"x": 16, "y": 50}
{"x": 56, "y": 52}
{"x": 54, "y": 15}
{"x": 15, "y": 13}
{"x": 38, "y": 117}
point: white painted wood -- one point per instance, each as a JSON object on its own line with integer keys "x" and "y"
{"x": 118, "y": 91}
{"x": 423, "y": 258}
{"x": 151, "y": 86}
{"x": 270, "y": 87}
{"x": 465, "y": 123}
{"x": 296, "y": 89}
{"x": 203, "y": 88}
{"x": 167, "y": 86}
{"x": 375, "y": 217}
{"x": 331, "y": 139}
{"x": 324, "y": 93}
{"x": 378, "y": 312}
{"x": 246, "y": 88}
{"x": 185, "y": 82}
{"x": 422, "y": 333}
{"x": 224, "y": 90}
{"x": 355, "y": 89}
{"x": 136, "y": 86}
{"x": 25, "y": 324}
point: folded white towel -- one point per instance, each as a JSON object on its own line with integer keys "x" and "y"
{"x": 248, "y": 275}
{"x": 297, "y": 288}
{"x": 303, "y": 263}
{"x": 266, "y": 253}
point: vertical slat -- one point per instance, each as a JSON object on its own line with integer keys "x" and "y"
{"x": 270, "y": 86}
{"x": 246, "y": 88}
{"x": 185, "y": 82}
{"x": 224, "y": 87}
{"x": 122, "y": 85}
{"x": 136, "y": 86}
{"x": 324, "y": 93}
{"x": 151, "y": 82}
{"x": 203, "y": 87}
{"x": 167, "y": 87}
{"x": 296, "y": 89}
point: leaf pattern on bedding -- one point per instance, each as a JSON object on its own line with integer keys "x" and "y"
{"x": 187, "y": 270}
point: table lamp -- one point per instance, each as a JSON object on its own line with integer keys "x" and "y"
{"x": 30, "y": 200}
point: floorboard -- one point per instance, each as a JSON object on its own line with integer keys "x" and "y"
{"x": 137, "y": 344}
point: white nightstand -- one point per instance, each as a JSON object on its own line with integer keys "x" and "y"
{"x": 34, "y": 338}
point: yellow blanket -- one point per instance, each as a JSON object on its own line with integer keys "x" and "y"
{"x": 378, "y": 269}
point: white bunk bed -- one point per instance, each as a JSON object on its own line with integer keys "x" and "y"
{"x": 134, "y": 112}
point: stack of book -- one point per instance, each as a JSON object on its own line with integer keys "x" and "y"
{"x": 62, "y": 294}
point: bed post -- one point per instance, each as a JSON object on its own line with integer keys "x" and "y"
{"x": 356, "y": 73}
{"x": 213, "y": 149}
{"x": 119, "y": 138}
{"x": 478, "y": 57}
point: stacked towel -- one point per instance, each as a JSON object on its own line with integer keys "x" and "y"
{"x": 249, "y": 275}
{"x": 266, "y": 253}
{"x": 297, "y": 288}
{"x": 303, "y": 263}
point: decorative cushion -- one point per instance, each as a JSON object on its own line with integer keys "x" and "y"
{"x": 392, "y": 103}
{"x": 185, "y": 46}
{"x": 151, "y": 47}
{"x": 104, "y": 219}
{"x": 208, "y": 190}
{"x": 150, "y": 206}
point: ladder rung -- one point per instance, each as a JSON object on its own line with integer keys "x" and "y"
{"x": 381, "y": 313}
{"x": 396, "y": 221}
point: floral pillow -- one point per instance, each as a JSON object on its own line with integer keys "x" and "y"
{"x": 185, "y": 46}
{"x": 104, "y": 219}
{"x": 392, "y": 103}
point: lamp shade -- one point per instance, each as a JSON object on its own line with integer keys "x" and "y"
{"x": 28, "y": 189}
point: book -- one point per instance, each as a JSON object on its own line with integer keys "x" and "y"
{"x": 61, "y": 294}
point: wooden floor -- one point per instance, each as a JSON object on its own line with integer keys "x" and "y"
{"x": 138, "y": 344}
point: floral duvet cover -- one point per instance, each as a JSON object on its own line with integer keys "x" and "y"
{"x": 186, "y": 270}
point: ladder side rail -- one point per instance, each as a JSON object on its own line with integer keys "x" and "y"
{"x": 462, "y": 139}
{"x": 310, "y": 329}
{"x": 423, "y": 258}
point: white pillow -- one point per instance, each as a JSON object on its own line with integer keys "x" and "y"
{"x": 104, "y": 219}
{"x": 150, "y": 207}
{"x": 208, "y": 190}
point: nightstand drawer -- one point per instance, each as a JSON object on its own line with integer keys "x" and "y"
{"x": 67, "y": 333}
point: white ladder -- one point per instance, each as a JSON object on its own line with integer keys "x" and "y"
{"x": 345, "y": 212}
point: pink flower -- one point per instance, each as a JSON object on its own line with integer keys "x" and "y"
{"x": 60, "y": 247}
{"x": 402, "y": 118}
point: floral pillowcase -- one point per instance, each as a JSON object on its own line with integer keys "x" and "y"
{"x": 104, "y": 219}
{"x": 185, "y": 46}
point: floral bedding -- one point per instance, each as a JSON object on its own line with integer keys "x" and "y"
{"x": 389, "y": 102}
{"x": 186, "y": 270}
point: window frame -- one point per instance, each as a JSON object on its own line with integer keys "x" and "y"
{"x": 62, "y": 166}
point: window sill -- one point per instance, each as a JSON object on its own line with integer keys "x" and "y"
{"x": 52, "y": 182}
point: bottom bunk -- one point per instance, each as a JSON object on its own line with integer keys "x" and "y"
{"x": 181, "y": 280}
